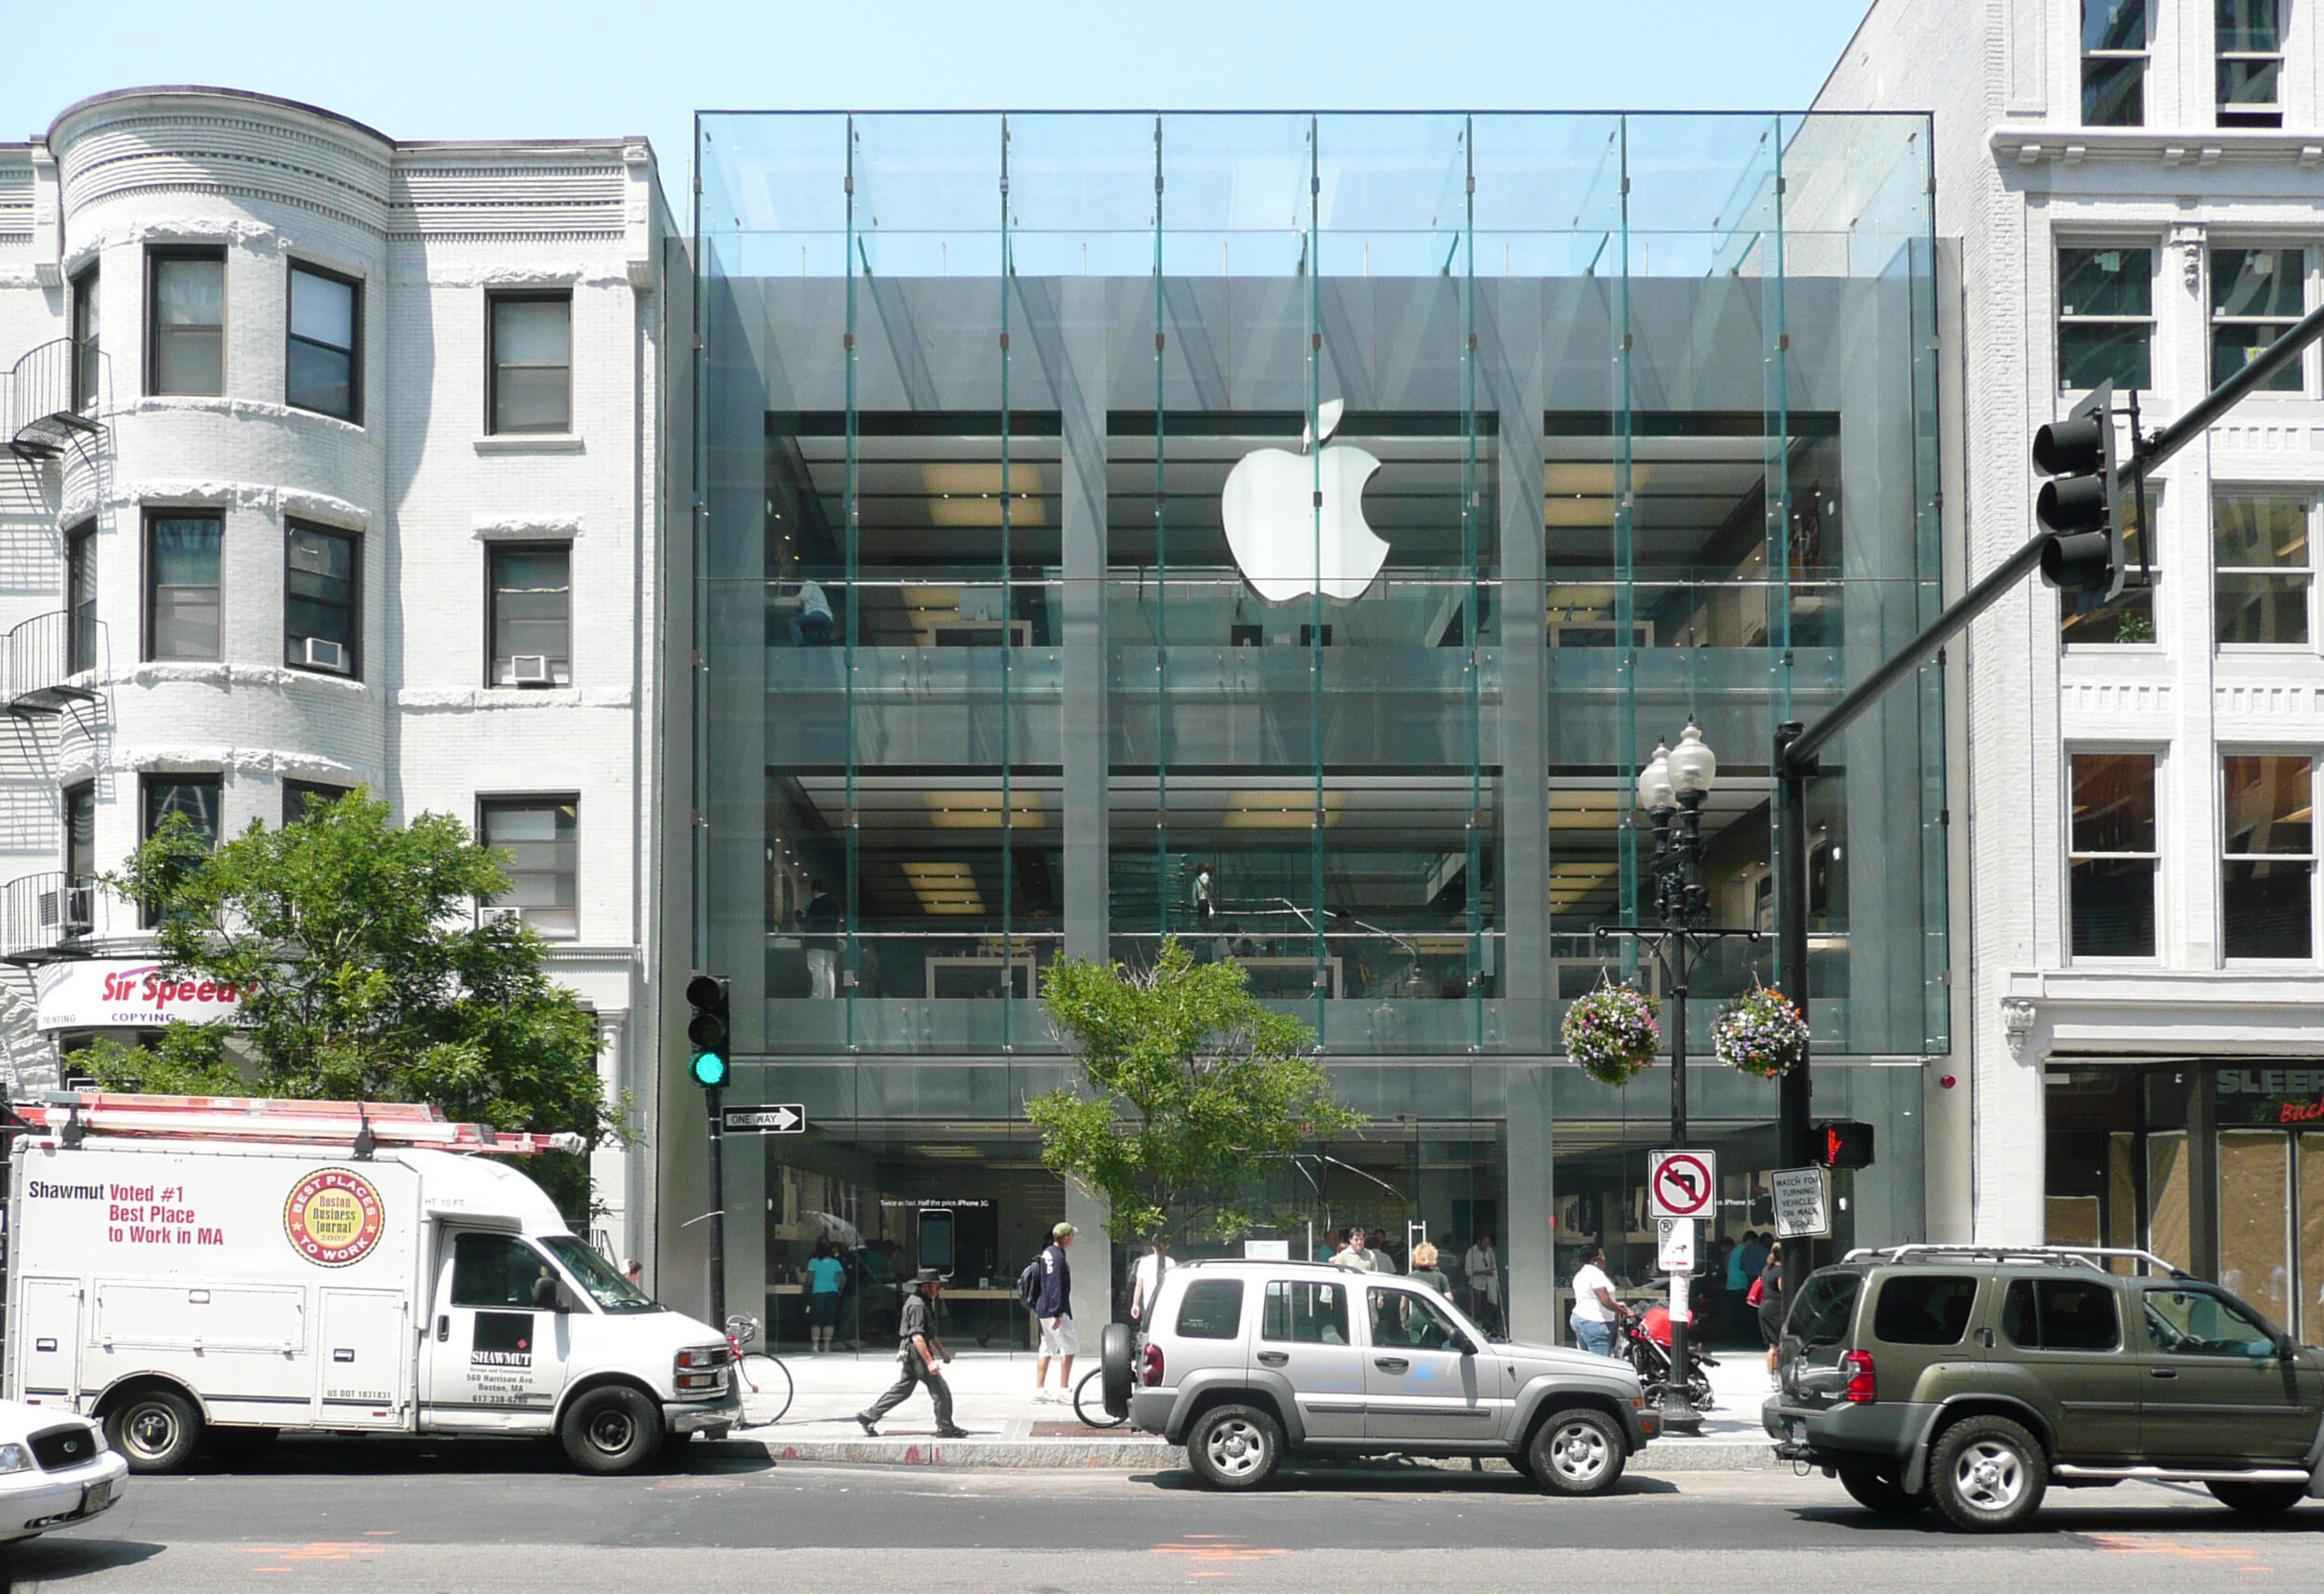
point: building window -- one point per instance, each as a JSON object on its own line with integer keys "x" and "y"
{"x": 301, "y": 798}
{"x": 538, "y": 835}
{"x": 80, "y": 597}
{"x": 2260, "y": 547}
{"x": 2249, "y": 38}
{"x": 2270, "y": 856}
{"x": 80, "y": 854}
{"x": 181, "y": 586}
{"x": 325, "y": 369}
{"x": 2112, "y": 859}
{"x": 193, "y": 796}
{"x": 2255, "y": 297}
{"x": 2090, "y": 619}
{"x": 186, "y": 322}
{"x": 532, "y": 362}
{"x": 2106, "y": 317}
{"x": 532, "y": 615}
{"x": 322, "y": 583}
{"x": 2114, "y": 64}
{"x": 85, "y": 349}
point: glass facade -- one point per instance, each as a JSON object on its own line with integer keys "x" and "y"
{"x": 1290, "y": 533}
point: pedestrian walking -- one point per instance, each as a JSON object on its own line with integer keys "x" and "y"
{"x": 1424, "y": 1269}
{"x": 819, "y": 921}
{"x": 1595, "y": 1310}
{"x": 824, "y": 1274}
{"x": 1357, "y": 1255}
{"x": 922, "y": 1356}
{"x": 1145, "y": 1280}
{"x": 1053, "y": 1310}
{"x": 1768, "y": 1296}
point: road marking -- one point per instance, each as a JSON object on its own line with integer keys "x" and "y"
{"x": 320, "y": 1549}
{"x": 2140, "y": 1543}
{"x": 1215, "y": 1547}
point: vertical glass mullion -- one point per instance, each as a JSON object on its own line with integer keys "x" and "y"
{"x": 1008, "y": 651}
{"x": 1625, "y": 570}
{"x": 1776, "y": 400}
{"x": 1472, "y": 696}
{"x": 1312, "y": 301}
{"x": 852, "y": 947}
{"x": 1163, "y": 885}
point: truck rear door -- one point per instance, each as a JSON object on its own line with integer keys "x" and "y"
{"x": 48, "y": 1341}
{"x": 363, "y": 1359}
{"x": 492, "y": 1359}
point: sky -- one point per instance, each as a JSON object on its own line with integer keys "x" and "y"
{"x": 425, "y": 69}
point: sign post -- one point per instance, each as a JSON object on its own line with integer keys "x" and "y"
{"x": 1803, "y": 1210}
{"x": 1681, "y": 1187}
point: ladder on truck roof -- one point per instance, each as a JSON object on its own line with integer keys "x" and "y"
{"x": 247, "y": 1120}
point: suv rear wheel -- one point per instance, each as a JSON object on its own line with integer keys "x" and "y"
{"x": 1234, "y": 1447}
{"x": 1987, "y": 1474}
{"x": 2258, "y": 1501}
{"x": 1576, "y": 1452}
{"x": 1876, "y": 1490}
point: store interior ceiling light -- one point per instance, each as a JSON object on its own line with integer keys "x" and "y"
{"x": 1279, "y": 811}
{"x": 954, "y": 1152}
{"x": 945, "y": 888}
{"x": 981, "y": 810}
{"x": 968, "y": 493}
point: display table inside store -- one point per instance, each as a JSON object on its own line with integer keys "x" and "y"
{"x": 990, "y": 1316}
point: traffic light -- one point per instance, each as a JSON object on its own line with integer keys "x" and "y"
{"x": 708, "y": 1029}
{"x": 2077, "y": 504}
{"x": 1844, "y": 1145}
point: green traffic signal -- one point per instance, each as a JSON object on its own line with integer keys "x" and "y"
{"x": 708, "y": 1029}
{"x": 710, "y": 1069}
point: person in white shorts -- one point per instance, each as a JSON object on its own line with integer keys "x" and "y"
{"x": 1054, "y": 1311}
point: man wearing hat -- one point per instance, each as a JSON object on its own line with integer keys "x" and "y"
{"x": 922, "y": 1355}
{"x": 1054, "y": 1311}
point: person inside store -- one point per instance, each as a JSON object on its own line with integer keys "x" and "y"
{"x": 819, "y": 922}
{"x": 922, "y": 1356}
{"x": 1595, "y": 1309}
{"x": 1482, "y": 1266}
{"x": 824, "y": 1273}
{"x": 1424, "y": 1269}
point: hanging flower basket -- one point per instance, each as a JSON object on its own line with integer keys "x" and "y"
{"x": 1612, "y": 1033}
{"x": 1760, "y": 1033}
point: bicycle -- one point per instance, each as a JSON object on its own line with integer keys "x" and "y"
{"x": 1117, "y": 1343}
{"x": 1089, "y": 1401}
{"x": 762, "y": 1376}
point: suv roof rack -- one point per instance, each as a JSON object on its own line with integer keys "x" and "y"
{"x": 2054, "y": 1256}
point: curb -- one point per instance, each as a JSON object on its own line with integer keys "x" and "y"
{"x": 1147, "y": 1455}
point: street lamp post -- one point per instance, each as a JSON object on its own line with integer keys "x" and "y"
{"x": 1671, "y": 790}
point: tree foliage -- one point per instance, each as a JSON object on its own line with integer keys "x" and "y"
{"x": 1191, "y": 1087}
{"x": 363, "y": 976}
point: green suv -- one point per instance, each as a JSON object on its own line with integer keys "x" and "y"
{"x": 1973, "y": 1379}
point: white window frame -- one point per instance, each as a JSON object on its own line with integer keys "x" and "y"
{"x": 2143, "y": 55}
{"x": 2220, "y": 755}
{"x": 2213, "y": 247}
{"x": 2060, "y": 319}
{"x": 2307, "y": 573}
{"x": 2160, "y": 758}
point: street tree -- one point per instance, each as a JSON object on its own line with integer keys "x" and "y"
{"x": 363, "y": 976}
{"x": 1190, "y": 1088}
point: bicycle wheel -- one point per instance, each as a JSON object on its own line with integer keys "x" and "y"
{"x": 1089, "y": 1401}
{"x": 766, "y": 1390}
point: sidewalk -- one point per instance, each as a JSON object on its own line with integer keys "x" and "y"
{"x": 992, "y": 1394}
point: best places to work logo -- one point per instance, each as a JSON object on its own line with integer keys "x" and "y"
{"x": 333, "y": 1217}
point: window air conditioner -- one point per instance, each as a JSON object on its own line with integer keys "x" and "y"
{"x": 486, "y": 916}
{"x": 530, "y": 670}
{"x": 322, "y": 653}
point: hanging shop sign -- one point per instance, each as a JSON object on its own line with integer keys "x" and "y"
{"x": 100, "y": 994}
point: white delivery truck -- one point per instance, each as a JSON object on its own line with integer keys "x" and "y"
{"x": 182, "y": 1266}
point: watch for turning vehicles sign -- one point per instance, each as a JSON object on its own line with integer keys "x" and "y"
{"x": 1682, "y": 1184}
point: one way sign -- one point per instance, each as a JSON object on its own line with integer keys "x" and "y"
{"x": 783, "y": 1118}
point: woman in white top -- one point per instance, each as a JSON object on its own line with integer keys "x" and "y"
{"x": 1145, "y": 1280}
{"x": 1483, "y": 1266}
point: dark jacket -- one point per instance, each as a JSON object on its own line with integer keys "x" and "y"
{"x": 1771, "y": 1303}
{"x": 819, "y": 919}
{"x": 1057, "y": 1284}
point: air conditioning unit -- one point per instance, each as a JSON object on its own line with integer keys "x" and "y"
{"x": 486, "y": 916}
{"x": 530, "y": 670}
{"x": 318, "y": 653}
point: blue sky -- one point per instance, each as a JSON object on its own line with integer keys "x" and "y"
{"x": 423, "y": 69}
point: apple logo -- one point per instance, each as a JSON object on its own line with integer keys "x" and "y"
{"x": 1272, "y": 521}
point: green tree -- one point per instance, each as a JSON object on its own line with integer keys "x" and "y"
{"x": 363, "y": 977}
{"x": 1191, "y": 1087}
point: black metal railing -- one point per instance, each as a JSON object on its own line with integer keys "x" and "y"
{"x": 40, "y": 656}
{"x": 44, "y": 913}
{"x": 53, "y": 397}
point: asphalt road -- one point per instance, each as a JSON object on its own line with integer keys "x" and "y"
{"x": 477, "y": 1519}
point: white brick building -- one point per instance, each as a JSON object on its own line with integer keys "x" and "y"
{"x": 334, "y": 460}
{"x": 2134, "y": 184}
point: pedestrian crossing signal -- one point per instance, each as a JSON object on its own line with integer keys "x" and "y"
{"x": 710, "y": 1029}
{"x": 1842, "y": 1145}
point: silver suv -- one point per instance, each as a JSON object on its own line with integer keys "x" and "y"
{"x": 1250, "y": 1361}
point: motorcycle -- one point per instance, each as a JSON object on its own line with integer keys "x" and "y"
{"x": 1646, "y": 1342}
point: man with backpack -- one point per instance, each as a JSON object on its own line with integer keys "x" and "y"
{"x": 1047, "y": 1288}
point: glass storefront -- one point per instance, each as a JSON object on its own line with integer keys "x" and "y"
{"x": 2216, "y": 1166}
{"x": 1290, "y": 533}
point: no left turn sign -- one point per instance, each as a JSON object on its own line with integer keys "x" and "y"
{"x": 1682, "y": 1184}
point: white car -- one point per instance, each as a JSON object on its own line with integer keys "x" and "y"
{"x": 54, "y": 1468}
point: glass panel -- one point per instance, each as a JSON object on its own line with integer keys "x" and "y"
{"x": 2263, "y": 610}
{"x": 319, "y": 598}
{"x": 2114, "y": 802}
{"x": 532, "y": 380}
{"x": 494, "y": 1270}
{"x": 321, "y": 379}
{"x": 531, "y": 332}
{"x": 188, "y": 310}
{"x": 1306, "y": 1313}
{"x": 189, "y": 291}
{"x": 2092, "y": 353}
{"x": 1923, "y": 1310}
{"x": 2310, "y": 1219}
{"x": 2250, "y": 83}
{"x": 541, "y": 841}
{"x": 2257, "y": 282}
{"x": 2254, "y": 1207}
{"x": 81, "y": 600}
{"x": 2197, "y": 1323}
{"x": 2269, "y": 803}
{"x": 2088, "y": 619}
{"x": 2114, "y": 92}
{"x": 183, "y": 574}
{"x": 194, "y": 796}
{"x": 86, "y": 346}
{"x": 532, "y": 612}
{"x": 2260, "y": 532}
{"x": 80, "y": 832}
{"x": 2249, "y": 26}
{"x": 2167, "y": 1199}
{"x": 2113, "y": 24}
{"x": 1212, "y": 1308}
{"x": 323, "y": 310}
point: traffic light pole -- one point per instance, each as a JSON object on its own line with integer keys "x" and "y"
{"x": 718, "y": 1209}
{"x": 1797, "y": 744}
